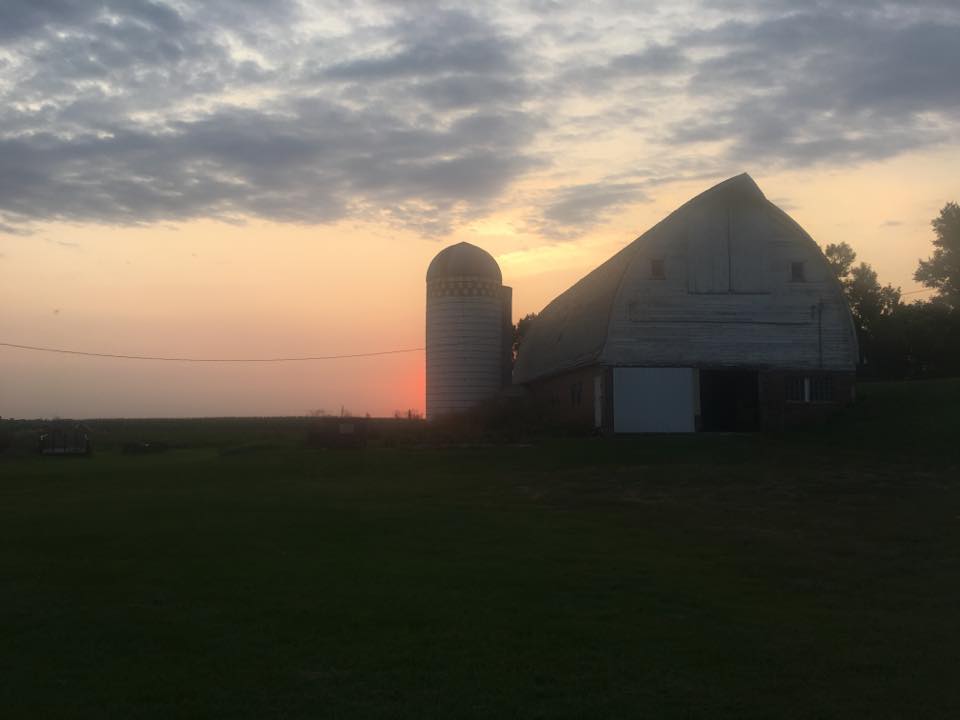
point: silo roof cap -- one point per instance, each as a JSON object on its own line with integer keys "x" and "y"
{"x": 464, "y": 260}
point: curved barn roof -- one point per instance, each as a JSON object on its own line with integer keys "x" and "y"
{"x": 464, "y": 260}
{"x": 574, "y": 329}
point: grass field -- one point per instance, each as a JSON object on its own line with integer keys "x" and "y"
{"x": 812, "y": 574}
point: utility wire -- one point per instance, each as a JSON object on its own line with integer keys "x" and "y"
{"x": 914, "y": 292}
{"x": 309, "y": 358}
{"x": 62, "y": 351}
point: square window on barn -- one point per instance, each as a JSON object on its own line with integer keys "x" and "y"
{"x": 797, "y": 273}
{"x": 576, "y": 394}
{"x": 821, "y": 389}
{"x": 796, "y": 389}
{"x": 657, "y": 270}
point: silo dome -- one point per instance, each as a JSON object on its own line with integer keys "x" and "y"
{"x": 469, "y": 330}
{"x": 464, "y": 260}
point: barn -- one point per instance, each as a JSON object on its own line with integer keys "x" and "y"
{"x": 724, "y": 316}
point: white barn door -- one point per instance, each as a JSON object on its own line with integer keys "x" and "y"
{"x": 653, "y": 400}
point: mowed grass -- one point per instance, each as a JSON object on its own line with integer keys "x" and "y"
{"x": 812, "y": 574}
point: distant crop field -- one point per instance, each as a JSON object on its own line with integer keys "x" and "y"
{"x": 242, "y": 574}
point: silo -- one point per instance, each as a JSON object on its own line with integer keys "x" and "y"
{"x": 469, "y": 330}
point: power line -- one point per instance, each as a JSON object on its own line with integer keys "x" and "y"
{"x": 914, "y": 292}
{"x": 114, "y": 356}
{"x": 308, "y": 358}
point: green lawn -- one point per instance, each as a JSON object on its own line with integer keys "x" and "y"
{"x": 813, "y": 574}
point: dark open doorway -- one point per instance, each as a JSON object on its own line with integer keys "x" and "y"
{"x": 729, "y": 400}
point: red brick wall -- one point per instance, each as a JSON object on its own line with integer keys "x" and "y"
{"x": 559, "y": 402}
{"x": 776, "y": 412}
{"x": 553, "y": 398}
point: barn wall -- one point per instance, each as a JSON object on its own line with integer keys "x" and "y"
{"x": 570, "y": 331}
{"x": 559, "y": 400}
{"x": 727, "y": 298}
{"x": 777, "y": 412}
{"x": 554, "y": 398}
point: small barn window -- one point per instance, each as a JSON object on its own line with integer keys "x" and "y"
{"x": 796, "y": 389}
{"x": 797, "y": 273}
{"x": 657, "y": 270}
{"x": 576, "y": 394}
{"x": 817, "y": 389}
{"x": 821, "y": 389}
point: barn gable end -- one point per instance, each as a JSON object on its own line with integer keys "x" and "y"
{"x": 728, "y": 282}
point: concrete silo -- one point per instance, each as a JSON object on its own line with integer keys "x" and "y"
{"x": 469, "y": 330}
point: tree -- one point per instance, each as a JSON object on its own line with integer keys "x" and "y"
{"x": 840, "y": 257}
{"x": 942, "y": 269}
{"x": 874, "y": 307}
{"x": 870, "y": 302}
{"x": 410, "y": 414}
{"x": 520, "y": 331}
{"x": 915, "y": 340}
{"x": 883, "y": 351}
{"x": 932, "y": 334}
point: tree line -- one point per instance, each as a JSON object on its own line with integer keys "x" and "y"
{"x": 897, "y": 339}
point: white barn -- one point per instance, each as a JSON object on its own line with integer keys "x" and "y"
{"x": 723, "y": 316}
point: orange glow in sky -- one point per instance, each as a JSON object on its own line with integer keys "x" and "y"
{"x": 288, "y": 203}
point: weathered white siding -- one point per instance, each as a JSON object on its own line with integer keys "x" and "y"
{"x": 728, "y": 298}
{"x": 464, "y": 339}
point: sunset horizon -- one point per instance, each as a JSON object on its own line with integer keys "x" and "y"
{"x": 221, "y": 181}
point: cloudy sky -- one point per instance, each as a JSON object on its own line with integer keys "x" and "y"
{"x": 271, "y": 177}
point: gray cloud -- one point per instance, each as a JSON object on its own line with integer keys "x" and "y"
{"x": 6, "y": 229}
{"x": 658, "y": 59}
{"x": 837, "y": 85}
{"x": 472, "y": 90}
{"x": 121, "y": 119}
{"x": 437, "y": 43}
{"x": 24, "y": 17}
{"x": 308, "y": 164}
{"x": 650, "y": 65}
{"x": 570, "y": 211}
{"x": 132, "y": 111}
{"x": 782, "y": 85}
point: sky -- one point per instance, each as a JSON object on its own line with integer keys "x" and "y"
{"x": 263, "y": 178}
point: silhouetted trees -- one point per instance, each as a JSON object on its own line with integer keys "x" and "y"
{"x": 873, "y": 307}
{"x": 869, "y": 301}
{"x": 410, "y": 414}
{"x": 899, "y": 340}
{"x": 942, "y": 270}
{"x": 519, "y": 332}
{"x": 840, "y": 257}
